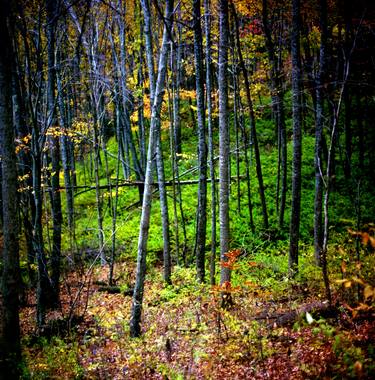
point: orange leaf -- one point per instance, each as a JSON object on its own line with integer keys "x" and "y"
{"x": 365, "y": 237}
{"x": 226, "y": 264}
{"x": 343, "y": 266}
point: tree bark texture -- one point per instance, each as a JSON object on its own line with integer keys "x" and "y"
{"x": 54, "y": 151}
{"x": 10, "y": 351}
{"x": 319, "y": 125}
{"x": 223, "y": 138}
{"x": 297, "y": 139}
{"x": 136, "y": 310}
{"x": 254, "y": 136}
{"x": 278, "y": 108}
{"x": 200, "y": 242}
{"x": 211, "y": 152}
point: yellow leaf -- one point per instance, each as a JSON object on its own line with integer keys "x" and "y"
{"x": 368, "y": 292}
{"x": 359, "y": 281}
{"x": 341, "y": 281}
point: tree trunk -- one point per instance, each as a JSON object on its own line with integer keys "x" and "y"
{"x": 200, "y": 242}
{"x": 297, "y": 139}
{"x": 278, "y": 109}
{"x": 164, "y": 209}
{"x": 10, "y": 350}
{"x": 252, "y": 122}
{"x": 54, "y": 151}
{"x": 125, "y": 94}
{"x": 176, "y": 99}
{"x": 176, "y": 69}
{"x": 210, "y": 139}
{"x": 26, "y": 200}
{"x": 319, "y": 125}
{"x": 159, "y": 154}
{"x": 347, "y": 96}
{"x": 223, "y": 140}
{"x": 136, "y": 310}
{"x": 361, "y": 143}
{"x": 65, "y": 157}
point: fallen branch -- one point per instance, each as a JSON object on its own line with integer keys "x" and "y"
{"x": 316, "y": 309}
{"x": 110, "y": 186}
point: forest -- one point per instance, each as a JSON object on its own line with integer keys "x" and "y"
{"x": 187, "y": 189}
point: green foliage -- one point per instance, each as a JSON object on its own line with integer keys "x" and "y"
{"x": 358, "y": 360}
{"x": 323, "y": 327}
{"x": 56, "y": 359}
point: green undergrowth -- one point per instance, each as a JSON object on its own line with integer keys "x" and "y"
{"x": 187, "y": 334}
{"x": 55, "y": 358}
{"x": 342, "y": 214}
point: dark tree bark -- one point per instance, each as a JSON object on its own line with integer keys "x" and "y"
{"x": 10, "y": 350}
{"x": 297, "y": 139}
{"x": 65, "y": 151}
{"x": 176, "y": 56}
{"x": 167, "y": 264}
{"x": 347, "y": 94}
{"x": 277, "y": 95}
{"x": 200, "y": 242}
{"x": 361, "y": 144}
{"x": 54, "y": 150}
{"x": 245, "y": 138}
{"x": 125, "y": 94}
{"x": 174, "y": 165}
{"x": 254, "y": 136}
{"x": 35, "y": 83}
{"x": 24, "y": 169}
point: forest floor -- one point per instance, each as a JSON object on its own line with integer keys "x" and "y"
{"x": 291, "y": 334}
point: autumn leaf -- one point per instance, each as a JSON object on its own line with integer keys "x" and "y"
{"x": 368, "y": 292}
{"x": 345, "y": 282}
{"x": 343, "y": 266}
{"x": 365, "y": 237}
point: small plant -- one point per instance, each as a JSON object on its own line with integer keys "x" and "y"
{"x": 56, "y": 358}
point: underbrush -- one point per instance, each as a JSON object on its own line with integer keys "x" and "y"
{"x": 187, "y": 334}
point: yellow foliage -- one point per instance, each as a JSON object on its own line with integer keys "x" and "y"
{"x": 187, "y": 94}
{"x": 247, "y": 7}
{"x": 369, "y": 292}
